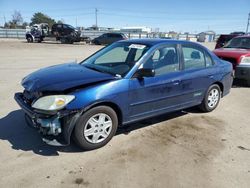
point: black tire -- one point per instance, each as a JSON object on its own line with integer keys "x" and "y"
{"x": 29, "y": 39}
{"x": 204, "y": 106}
{"x": 78, "y": 134}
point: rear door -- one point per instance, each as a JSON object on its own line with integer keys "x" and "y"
{"x": 198, "y": 74}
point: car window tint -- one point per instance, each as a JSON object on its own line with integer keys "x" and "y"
{"x": 193, "y": 58}
{"x": 111, "y": 35}
{"x": 156, "y": 55}
{"x": 117, "y": 55}
{"x": 209, "y": 61}
{"x": 138, "y": 54}
{"x": 163, "y": 61}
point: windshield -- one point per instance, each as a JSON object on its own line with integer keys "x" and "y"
{"x": 240, "y": 42}
{"x": 116, "y": 59}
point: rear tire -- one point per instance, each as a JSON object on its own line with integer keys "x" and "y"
{"x": 95, "y": 128}
{"x": 211, "y": 98}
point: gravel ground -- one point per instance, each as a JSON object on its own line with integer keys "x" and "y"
{"x": 182, "y": 149}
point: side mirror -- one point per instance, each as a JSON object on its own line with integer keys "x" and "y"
{"x": 144, "y": 72}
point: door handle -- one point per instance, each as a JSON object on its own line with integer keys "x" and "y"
{"x": 176, "y": 82}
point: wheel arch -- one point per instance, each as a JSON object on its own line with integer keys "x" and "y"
{"x": 220, "y": 85}
{"x": 29, "y": 35}
{"x": 112, "y": 105}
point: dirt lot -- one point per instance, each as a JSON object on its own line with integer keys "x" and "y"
{"x": 183, "y": 149}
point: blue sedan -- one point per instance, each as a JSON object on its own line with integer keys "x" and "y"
{"x": 122, "y": 83}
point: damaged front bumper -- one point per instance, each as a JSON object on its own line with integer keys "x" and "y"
{"x": 55, "y": 127}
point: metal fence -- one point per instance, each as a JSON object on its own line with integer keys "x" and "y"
{"x": 20, "y": 33}
{"x": 12, "y": 33}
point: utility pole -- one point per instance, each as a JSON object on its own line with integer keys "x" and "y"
{"x": 248, "y": 20}
{"x": 4, "y": 20}
{"x": 96, "y": 10}
{"x": 76, "y": 21}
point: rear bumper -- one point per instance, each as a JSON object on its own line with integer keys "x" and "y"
{"x": 242, "y": 72}
{"x": 67, "y": 121}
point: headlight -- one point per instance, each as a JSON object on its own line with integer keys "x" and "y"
{"x": 245, "y": 60}
{"x": 53, "y": 102}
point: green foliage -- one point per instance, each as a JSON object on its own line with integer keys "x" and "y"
{"x": 42, "y": 18}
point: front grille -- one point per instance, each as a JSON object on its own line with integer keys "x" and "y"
{"x": 231, "y": 60}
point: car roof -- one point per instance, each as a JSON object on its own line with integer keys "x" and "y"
{"x": 152, "y": 42}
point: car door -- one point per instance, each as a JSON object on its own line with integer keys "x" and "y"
{"x": 198, "y": 74}
{"x": 110, "y": 38}
{"x": 103, "y": 38}
{"x": 60, "y": 29}
{"x": 154, "y": 95}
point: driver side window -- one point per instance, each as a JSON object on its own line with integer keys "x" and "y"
{"x": 164, "y": 60}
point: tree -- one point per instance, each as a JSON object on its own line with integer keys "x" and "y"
{"x": 17, "y": 19}
{"x": 25, "y": 24}
{"x": 61, "y": 21}
{"x": 42, "y": 18}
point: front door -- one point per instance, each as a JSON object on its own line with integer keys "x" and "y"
{"x": 154, "y": 95}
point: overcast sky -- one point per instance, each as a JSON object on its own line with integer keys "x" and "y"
{"x": 222, "y": 16}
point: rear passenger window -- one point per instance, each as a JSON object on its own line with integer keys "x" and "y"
{"x": 209, "y": 61}
{"x": 193, "y": 58}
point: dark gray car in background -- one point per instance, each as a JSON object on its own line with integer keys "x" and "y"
{"x": 109, "y": 38}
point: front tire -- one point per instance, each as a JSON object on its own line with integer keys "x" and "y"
{"x": 29, "y": 39}
{"x": 95, "y": 128}
{"x": 211, "y": 99}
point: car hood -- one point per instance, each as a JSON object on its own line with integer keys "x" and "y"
{"x": 63, "y": 77}
{"x": 231, "y": 52}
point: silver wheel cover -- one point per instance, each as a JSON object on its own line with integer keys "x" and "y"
{"x": 98, "y": 128}
{"x": 213, "y": 98}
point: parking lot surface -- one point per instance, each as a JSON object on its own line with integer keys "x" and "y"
{"x": 181, "y": 149}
